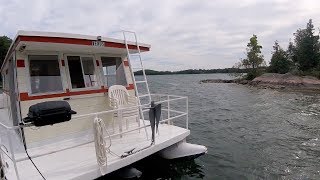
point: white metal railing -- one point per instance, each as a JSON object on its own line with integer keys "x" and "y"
{"x": 1, "y": 100}
{"x": 166, "y": 100}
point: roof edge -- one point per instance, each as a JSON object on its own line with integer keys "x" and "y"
{"x": 61, "y": 35}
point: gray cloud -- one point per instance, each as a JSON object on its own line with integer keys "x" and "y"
{"x": 183, "y": 34}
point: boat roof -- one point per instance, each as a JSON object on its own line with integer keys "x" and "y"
{"x": 68, "y": 42}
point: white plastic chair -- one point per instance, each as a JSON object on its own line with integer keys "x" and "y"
{"x": 120, "y": 98}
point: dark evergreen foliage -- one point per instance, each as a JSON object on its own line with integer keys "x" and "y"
{"x": 304, "y": 52}
{"x": 280, "y": 62}
{"x": 5, "y": 43}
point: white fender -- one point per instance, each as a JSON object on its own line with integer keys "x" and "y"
{"x": 183, "y": 149}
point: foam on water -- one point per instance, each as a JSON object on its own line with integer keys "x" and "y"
{"x": 250, "y": 133}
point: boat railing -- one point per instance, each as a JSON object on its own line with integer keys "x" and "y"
{"x": 174, "y": 112}
{"x": 1, "y": 100}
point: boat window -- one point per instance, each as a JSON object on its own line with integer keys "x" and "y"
{"x": 89, "y": 71}
{"x": 82, "y": 72}
{"x": 44, "y": 74}
{"x": 113, "y": 71}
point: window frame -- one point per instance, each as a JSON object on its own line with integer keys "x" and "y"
{"x": 83, "y": 75}
{"x": 28, "y": 79}
{"x": 113, "y": 75}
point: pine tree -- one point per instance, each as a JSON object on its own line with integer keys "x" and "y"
{"x": 280, "y": 62}
{"x": 306, "y": 48}
{"x": 5, "y": 43}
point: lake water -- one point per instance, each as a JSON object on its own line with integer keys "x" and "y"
{"x": 250, "y": 133}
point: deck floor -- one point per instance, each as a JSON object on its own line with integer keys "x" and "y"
{"x": 80, "y": 162}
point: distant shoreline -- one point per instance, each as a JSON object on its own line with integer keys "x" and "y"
{"x": 193, "y": 71}
{"x": 277, "y": 81}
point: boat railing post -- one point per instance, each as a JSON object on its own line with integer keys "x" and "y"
{"x": 12, "y": 155}
{"x": 187, "y": 116}
{"x": 168, "y": 97}
{"x": 120, "y": 122}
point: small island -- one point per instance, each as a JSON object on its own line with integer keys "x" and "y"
{"x": 297, "y": 68}
{"x": 277, "y": 81}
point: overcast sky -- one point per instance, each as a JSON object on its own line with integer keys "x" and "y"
{"x": 183, "y": 34}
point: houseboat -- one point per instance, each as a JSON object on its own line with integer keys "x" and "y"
{"x": 72, "y": 108}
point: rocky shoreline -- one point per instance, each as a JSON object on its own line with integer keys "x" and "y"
{"x": 276, "y": 81}
{"x": 238, "y": 81}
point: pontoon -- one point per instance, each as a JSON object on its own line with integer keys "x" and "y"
{"x": 72, "y": 108}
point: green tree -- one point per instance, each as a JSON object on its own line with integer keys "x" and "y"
{"x": 291, "y": 53}
{"x": 254, "y": 59}
{"x": 306, "y": 48}
{"x": 280, "y": 62}
{"x": 5, "y": 43}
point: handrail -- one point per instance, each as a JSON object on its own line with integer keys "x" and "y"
{"x": 108, "y": 111}
{"x": 169, "y": 119}
{"x": 112, "y": 135}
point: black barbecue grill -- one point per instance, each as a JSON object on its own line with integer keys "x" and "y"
{"x": 49, "y": 113}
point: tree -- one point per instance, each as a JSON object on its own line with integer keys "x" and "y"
{"x": 5, "y": 43}
{"x": 306, "y": 48}
{"x": 254, "y": 59}
{"x": 291, "y": 53}
{"x": 280, "y": 62}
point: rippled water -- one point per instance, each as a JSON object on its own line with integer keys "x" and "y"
{"x": 250, "y": 133}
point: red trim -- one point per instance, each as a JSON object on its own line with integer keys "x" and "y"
{"x": 25, "y": 97}
{"x": 77, "y": 41}
{"x": 56, "y": 40}
{"x": 88, "y": 92}
{"x": 62, "y": 62}
{"x": 20, "y": 63}
{"x": 125, "y": 63}
{"x": 97, "y": 62}
{"x": 130, "y": 87}
{"x": 66, "y": 41}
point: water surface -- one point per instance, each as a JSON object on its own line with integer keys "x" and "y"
{"x": 250, "y": 133}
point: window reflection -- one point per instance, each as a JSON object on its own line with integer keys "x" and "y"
{"x": 113, "y": 71}
{"x": 44, "y": 74}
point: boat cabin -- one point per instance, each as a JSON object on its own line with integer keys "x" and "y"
{"x": 48, "y": 77}
{"x": 46, "y": 66}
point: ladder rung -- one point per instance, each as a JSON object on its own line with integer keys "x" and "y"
{"x": 141, "y": 82}
{"x": 145, "y": 95}
{"x": 134, "y": 55}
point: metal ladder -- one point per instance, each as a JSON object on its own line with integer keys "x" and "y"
{"x": 135, "y": 81}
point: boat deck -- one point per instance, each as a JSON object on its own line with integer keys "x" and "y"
{"x": 80, "y": 162}
{"x": 73, "y": 156}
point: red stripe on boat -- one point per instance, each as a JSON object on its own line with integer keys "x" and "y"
{"x": 20, "y": 63}
{"x": 125, "y": 63}
{"x": 77, "y": 41}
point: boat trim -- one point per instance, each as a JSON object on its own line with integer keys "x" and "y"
{"x": 24, "y": 96}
